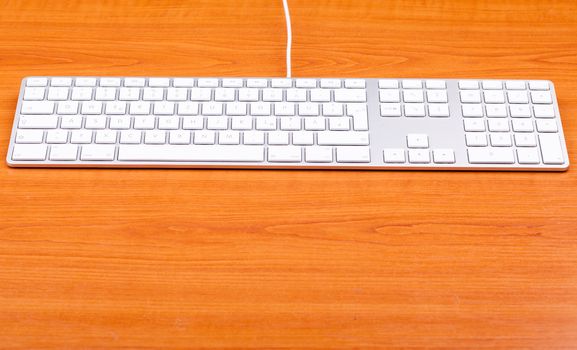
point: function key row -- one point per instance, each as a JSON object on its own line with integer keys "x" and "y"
{"x": 197, "y": 82}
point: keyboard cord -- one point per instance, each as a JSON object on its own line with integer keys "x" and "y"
{"x": 289, "y": 38}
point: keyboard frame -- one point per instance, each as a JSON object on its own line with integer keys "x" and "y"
{"x": 439, "y": 128}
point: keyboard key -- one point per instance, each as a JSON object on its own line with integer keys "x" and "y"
{"x": 37, "y": 107}
{"x": 528, "y": 156}
{"x": 443, "y": 156}
{"x": 63, "y": 152}
{"x": 335, "y": 138}
{"x": 29, "y": 136}
{"x": 491, "y": 156}
{"x": 285, "y": 154}
{"x": 353, "y": 155}
{"x": 97, "y": 152}
{"x": 29, "y": 152}
{"x": 38, "y": 121}
{"x": 190, "y": 153}
{"x": 417, "y": 141}
{"x": 419, "y": 156}
{"x": 318, "y": 154}
{"x": 394, "y": 155}
{"x": 551, "y": 150}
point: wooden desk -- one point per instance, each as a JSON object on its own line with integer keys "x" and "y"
{"x": 159, "y": 259}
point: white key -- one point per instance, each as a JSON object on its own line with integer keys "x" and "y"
{"x": 281, "y": 83}
{"x": 36, "y": 81}
{"x": 139, "y": 108}
{"x": 388, "y": 84}
{"x": 348, "y": 138}
{"x": 389, "y": 96}
{"x": 29, "y": 152}
{"x": 241, "y": 123}
{"x": 437, "y": 96}
{"x": 390, "y": 110}
{"x": 315, "y": 124}
{"x": 265, "y": 123}
{"x": 319, "y": 154}
{"x": 85, "y": 81}
{"x": 525, "y": 140}
{"x": 308, "y": 109}
{"x": 144, "y": 122}
{"x": 179, "y": 137}
{"x": 347, "y": 154}
{"x": 110, "y": 82}
{"x": 290, "y": 123}
{"x": 56, "y": 136}
{"x": 191, "y": 153}
{"x": 544, "y": 111}
{"x": 81, "y": 136}
{"x": 412, "y": 84}
{"x": 97, "y": 152}
{"x": 183, "y": 82}
{"x": 272, "y": 95}
{"x": 71, "y": 122}
{"x": 217, "y": 123}
{"x": 34, "y": 93}
{"x": 29, "y": 136}
{"x": 106, "y": 136}
{"x": 520, "y": 111}
{"x": 528, "y": 156}
{"x": 496, "y": 111}
{"x": 472, "y": 111}
{"x": 229, "y": 137}
{"x": 332, "y": 109}
{"x": 355, "y": 83}
{"x": 284, "y": 108}
{"x": 95, "y": 122}
{"x": 152, "y": 94}
{"x": 546, "y": 125}
{"x": 417, "y": 141}
{"x": 253, "y": 138}
{"x": 394, "y": 155}
{"x": 360, "y": 116}
{"x": 224, "y": 94}
{"x": 58, "y": 94}
{"x": 278, "y": 138}
{"x": 260, "y": 108}
{"x": 168, "y": 123}
{"x": 192, "y": 123}
{"x": 522, "y": 125}
{"x": 200, "y": 94}
{"x": 435, "y": 84}
{"x": 115, "y": 108}
{"x": 320, "y": 95}
{"x": 231, "y": 83}
{"x": 81, "y": 94}
{"x": 474, "y": 124}
{"x": 551, "y": 149}
{"x": 498, "y": 125}
{"x": 541, "y": 97}
{"x": 105, "y": 94}
{"x": 37, "y": 107}
{"x": 91, "y": 107}
{"x": 288, "y": 154}
{"x": 439, "y": 110}
{"x": 496, "y": 96}
{"x": 444, "y": 156}
{"x": 176, "y": 94}
{"x": 468, "y": 84}
{"x": 236, "y": 108}
{"x": 501, "y": 140}
{"x": 163, "y": 108}
{"x": 330, "y": 83}
{"x": 492, "y": 85}
{"x": 248, "y": 95}
{"x": 515, "y": 85}
{"x": 129, "y": 94}
{"x": 130, "y": 136}
{"x": 119, "y": 122}
{"x": 413, "y": 96}
{"x": 486, "y": 155}
{"x": 415, "y": 109}
{"x": 38, "y": 122}
{"x": 517, "y": 97}
{"x": 476, "y": 139}
{"x": 419, "y": 156}
{"x": 204, "y": 137}
{"x": 134, "y": 82}
{"x": 350, "y": 95}
{"x": 539, "y": 85}
{"x": 67, "y": 107}
{"x": 302, "y": 138}
{"x": 296, "y": 95}
{"x": 187, "y": 108}
{"x": 339, "y": 123}
{"x": 256, "y": 83}
{"x": 470, "y": 96}
{"x": 212, "y": 108}
{"x": 155, "y": 137}
{"x": 64, "y": 152}
{"x": 158, "y": 82}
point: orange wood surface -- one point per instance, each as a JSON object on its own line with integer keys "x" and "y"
{"x": 227, "y": 259}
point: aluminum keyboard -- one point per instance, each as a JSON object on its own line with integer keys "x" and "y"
{"x": 372, "y": 124}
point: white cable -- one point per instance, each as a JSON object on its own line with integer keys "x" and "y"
{"x": 289, "y": 38}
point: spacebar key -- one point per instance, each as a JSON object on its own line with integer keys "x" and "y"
{"x": 190, "y": 153}
{"x": 491, "y": 156}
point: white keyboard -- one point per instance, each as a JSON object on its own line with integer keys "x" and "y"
{"x": 372, "y": 124}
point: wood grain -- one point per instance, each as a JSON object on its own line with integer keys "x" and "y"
{"x": 213, "y": 259}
